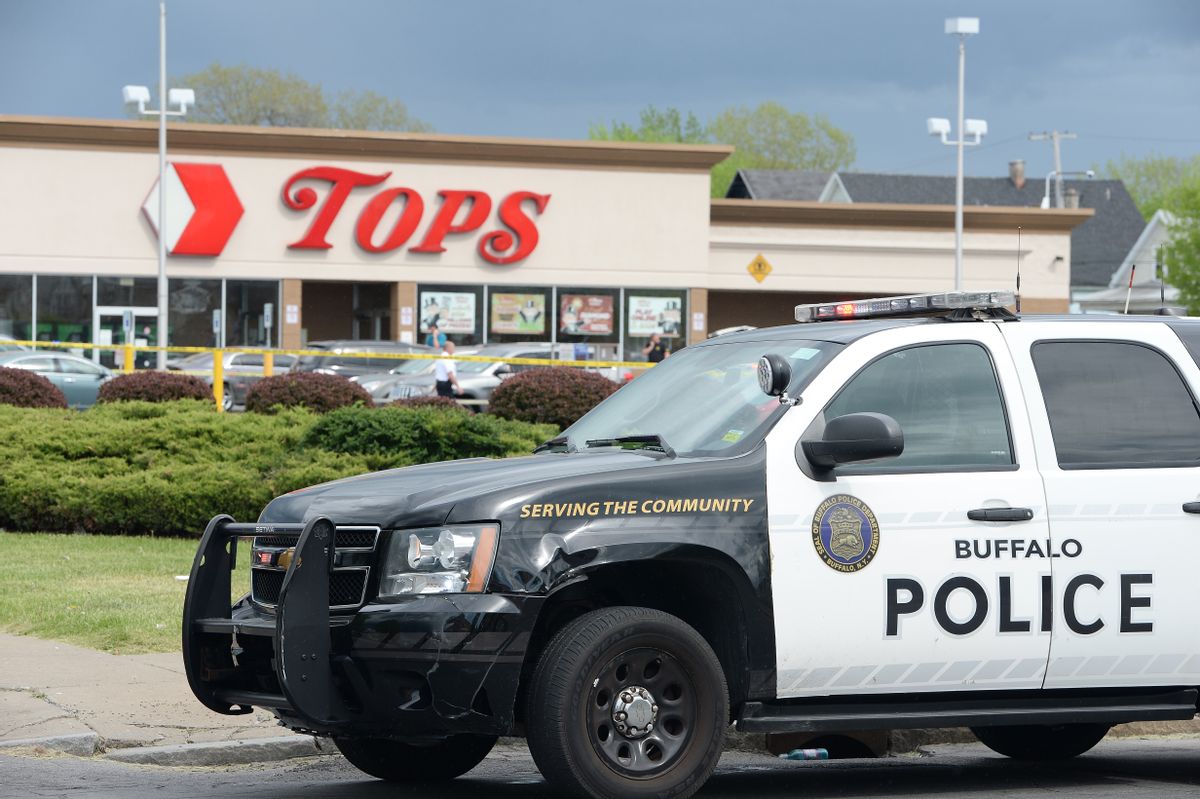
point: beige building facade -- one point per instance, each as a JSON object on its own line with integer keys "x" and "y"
{"x": 280, "y": 237}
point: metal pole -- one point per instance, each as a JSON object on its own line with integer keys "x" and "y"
{"x": 958, "y": 181}
{"x": 1058, "y": 173}
{"x": 162, "y": 185}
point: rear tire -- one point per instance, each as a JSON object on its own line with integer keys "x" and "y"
{"x": 227, "y": 398}
{"x": 1034, "y": 742}
{"x": 627, "y": 702}
{"x": 397, "y": 761}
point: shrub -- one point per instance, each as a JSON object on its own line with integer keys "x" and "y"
{"x": 28, "y": 390}
{"x": 167, "y": 468}
{"x": 396, "y": 436}
{"x": 153, "y": 386}
{"x": 320, "y": 393}
{"x": 557, "y": 396}
{"x": 445, "y": 403}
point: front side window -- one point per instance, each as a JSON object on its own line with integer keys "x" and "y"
{"x": 946, "y": 400}
{"x": 703, "y": 400}
{"x": 1114, "y": 404}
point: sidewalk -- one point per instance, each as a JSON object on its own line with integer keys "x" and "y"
{"x": 82, "y": 701}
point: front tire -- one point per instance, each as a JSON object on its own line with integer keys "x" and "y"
{"x": 397, "y": 761}
{"x": 1034, "y": 742}
{"x": 627, "y": 702}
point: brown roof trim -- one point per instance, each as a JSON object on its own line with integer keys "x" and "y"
{"x": 893, "y": 215}
{"x": 87, "y": 133}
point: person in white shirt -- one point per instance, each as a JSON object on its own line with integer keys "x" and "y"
{"x": 446, "y": 373}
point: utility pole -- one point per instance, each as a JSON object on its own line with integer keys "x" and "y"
{"x": 1055, "y": 138}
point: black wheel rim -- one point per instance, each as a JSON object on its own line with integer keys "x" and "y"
{"x": 656, "y": 691}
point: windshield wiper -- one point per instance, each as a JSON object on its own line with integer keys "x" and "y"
{"x": 557, "y": 444}
{"x": 649, "y": 441}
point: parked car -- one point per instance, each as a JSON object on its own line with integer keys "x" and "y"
{"x": 477, "y": 378}
{"x": 242, "y": 370}
{"x": 9, "y": 345}
{"x": 78, "y": 378}
{"x": 409, "y": 379}
{"x": 349, "y": 366}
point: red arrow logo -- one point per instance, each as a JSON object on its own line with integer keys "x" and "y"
{"x": 202, "y": 209}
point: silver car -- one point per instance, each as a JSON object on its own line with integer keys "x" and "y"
{"x": 476, "y": 378}
{"x": 78, "y": 378}
{"x": 242, "y": 370}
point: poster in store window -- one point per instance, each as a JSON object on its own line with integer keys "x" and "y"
{"x": 519, "y": 313}
{"x": 586, "y": 315}
{"x": 452, "y": 311}
{"x": 648, "y": 315}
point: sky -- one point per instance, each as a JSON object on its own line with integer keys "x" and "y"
{"x": 1124, "y": 75}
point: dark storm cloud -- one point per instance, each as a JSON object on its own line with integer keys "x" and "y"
{"x": 1119, "y": 68}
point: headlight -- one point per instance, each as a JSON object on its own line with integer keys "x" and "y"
{"x": 371, "y": 385}
{"x": 439, "y": 560}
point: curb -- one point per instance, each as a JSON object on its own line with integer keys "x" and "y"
{"x": 83, "y": 744}
{"x": 224, "y": 753}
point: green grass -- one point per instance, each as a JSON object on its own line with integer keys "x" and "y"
{"x": 114, "y": 593}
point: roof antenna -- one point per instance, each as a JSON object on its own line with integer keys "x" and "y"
{"x": 1158, "y": 272}
{"x": 1129, "y": 292}
{"x": 1018, "y": 295}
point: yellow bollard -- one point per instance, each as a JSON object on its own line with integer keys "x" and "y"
{"x": 128, "y": 366}
{"x": 268, "y": 364}
{"x": 219, "y": 379}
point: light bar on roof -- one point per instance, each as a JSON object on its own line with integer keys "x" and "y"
{"x": 907, "y": 305}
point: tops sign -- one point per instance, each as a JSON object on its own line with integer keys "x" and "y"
{"x": 460, "y": 212}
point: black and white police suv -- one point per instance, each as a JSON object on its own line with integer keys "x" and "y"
{"x": 929, "y": 513}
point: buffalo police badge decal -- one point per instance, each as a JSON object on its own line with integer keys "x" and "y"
{"x": 845, "y": 533}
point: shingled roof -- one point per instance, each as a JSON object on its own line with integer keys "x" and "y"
{"x": 778, "y": 184}
{"x": 1098, "y": 246}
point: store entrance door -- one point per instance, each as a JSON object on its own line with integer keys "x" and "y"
{"x": 108, "y": 329}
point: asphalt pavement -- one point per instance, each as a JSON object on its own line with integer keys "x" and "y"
{"x": 1127, "y": 768}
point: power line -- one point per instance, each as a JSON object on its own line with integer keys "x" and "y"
{"x": 1142, "y": 138}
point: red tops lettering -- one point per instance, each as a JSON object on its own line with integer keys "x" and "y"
{"x": 458, "y": 212}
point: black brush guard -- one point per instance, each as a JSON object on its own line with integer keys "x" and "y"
{"x": 299, "y": 630}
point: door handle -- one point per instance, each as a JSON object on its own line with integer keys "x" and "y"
{"x": 1007, "y": 514}
{"x": 1191, "y": 507}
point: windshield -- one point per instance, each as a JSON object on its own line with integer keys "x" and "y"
{"x": 473, "y": 367}
{"x": 416, "y": 367}
{"x": 702, "y": 400}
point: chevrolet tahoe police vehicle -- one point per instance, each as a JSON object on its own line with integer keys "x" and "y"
{"x": 914, "y": 511}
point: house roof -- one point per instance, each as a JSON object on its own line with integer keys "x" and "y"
{"x": 778, "y": 184}
{"x": 1098, "y": 246}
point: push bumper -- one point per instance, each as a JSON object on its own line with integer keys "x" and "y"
{"x": 424, "y": 666}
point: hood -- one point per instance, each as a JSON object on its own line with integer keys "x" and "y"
{"x": 418, "y": 496}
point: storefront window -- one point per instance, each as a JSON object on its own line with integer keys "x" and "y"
{"x": 16, "y": 306}
{"x": 64, "y": 308}
{"x": 456, "y": 310}
{"x": 519, "y": 313}
{"x": 589, "y": 323}
{"x": 127, "y": 291}
{"x": 245, "y": 309}
{"x": 649, "y": 311}
{"x": 192, "y": 303}
{"x": 372, "y": 311}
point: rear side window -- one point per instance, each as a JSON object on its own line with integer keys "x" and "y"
{"x": 1113, "y": 404}
{"x": 947, "y": 401}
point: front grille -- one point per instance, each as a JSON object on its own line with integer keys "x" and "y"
{"x": 354, "y": 546}
{"x": 345, "y": 587}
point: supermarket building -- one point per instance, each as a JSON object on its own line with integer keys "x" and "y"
{"x": 282, "y": 236}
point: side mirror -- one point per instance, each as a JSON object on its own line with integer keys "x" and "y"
{"x": 774, "y": 374}
{"x": 503, "y": 370}
{"x": 855, "y": 437}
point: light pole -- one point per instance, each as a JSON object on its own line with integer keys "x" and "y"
{"x": 962, "y": 27}
{"x": 182, "y": 98}
{"x": 1089, "y": 173}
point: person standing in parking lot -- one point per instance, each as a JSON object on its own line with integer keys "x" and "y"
{"x": 435, "y": 337}
{"x": 655, "y": 350}
{"x": 445, "y": 373}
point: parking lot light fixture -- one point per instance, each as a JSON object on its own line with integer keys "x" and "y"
{"x": 962, "y": 27}
{"x": 181, "y": 100}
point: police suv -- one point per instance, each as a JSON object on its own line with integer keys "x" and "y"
{"x": 914, "y": 511}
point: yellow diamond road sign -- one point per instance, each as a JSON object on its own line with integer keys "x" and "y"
{"x": 759, "y": 268}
